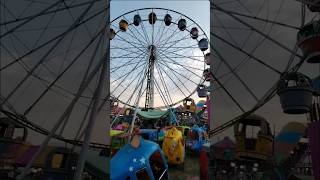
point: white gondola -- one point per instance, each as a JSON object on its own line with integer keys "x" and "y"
{"x": 182, "y": 24}
{"x": 123, "y": 25}
{"x": 207, "y": 58}
{"x": 202, "y": 91}
{"x": 112, "y": 33}
{"x": 152, "y": 18}
{"x": 203, "y": 44}
{"x": 136, "y": 20}
{"x": 194, "y": 32}
{"x": 167, "y": 19}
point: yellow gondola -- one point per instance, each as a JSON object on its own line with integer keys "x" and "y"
{"x": 189, "y": 105}
{"x": 173, "y": 146}
{"x": 123, "y": 25}
{"x": 253, "y": 138}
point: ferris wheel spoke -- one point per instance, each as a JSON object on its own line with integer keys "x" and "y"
{"x": 44, "y": 81}
{"x": 126, "y": 75}
{"x": 30, "y": 19}
{"x": 128, "y": 63}
{"x": 64, "y": 71}
{"x": 8, "y": 10}
{"x": 50, "y": 41}
{"x": 78, "y": 136}
{"x": 73, "y": 18}
{"x": 180, "y": 55}
{"x": 38, "y": 29}
{"x": 139, "y": 82}
{"x": 124, "y": 65}
{"x": 128, "y": 99}
{"x": 228, "y": 93}
{"x": 125, "y": 49}
{"x": 132, "y": 44}
{"x": 67, "y": 51}
{"x": 190, "y": 58}
{"x": 170, "y": 37}
{"x": 143, "y": 35}
{"x": 25, "y": 9}
{"x": 175, "y": 41}
{"x": 259, "y": 32}
{"x": 183, "y": 66}
{"x": 225, "y": 29}
{"x": 246, "y": 53}
{"x": 244, "y": 7}
{"x": 44, "y": 29}
{"x": 235, "y": 74}
{"x": 176, "y": 48}
{"x": 47, "y": 54}
{"x": 162, "y": 95}
{"x": 159, "y": 42}
{"x": 46, "y": 13}
{"x": 187, "y": 36}
{"x": 172, "y": 62}
{"x": 175, "y": 72}
{"x": 232, "y": 28}
{"x": 164, "y": 84}
{"x": 253, "y": 17}
{"x": 145, "y": 32}
{"x": 145, "y": 43}
{"x": 174, "y": 82}
{"x": 125, "y": 56}
{"x": 161, "y": 34}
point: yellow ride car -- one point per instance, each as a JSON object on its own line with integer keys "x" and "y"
{"x": 173, "y": 146}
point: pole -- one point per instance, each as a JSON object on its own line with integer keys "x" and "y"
{"x": 92, "y": 118}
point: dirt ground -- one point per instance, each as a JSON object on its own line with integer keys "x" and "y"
{"x": 191, "y": 170}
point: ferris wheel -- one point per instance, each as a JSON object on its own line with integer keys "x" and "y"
{"x": 52, "y": 53}
{"x": 160, "y": 51}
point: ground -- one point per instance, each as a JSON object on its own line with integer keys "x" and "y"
{"x": 191, "y": 169}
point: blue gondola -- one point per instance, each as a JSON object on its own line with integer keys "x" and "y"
{"x": 182, "y": 24}
{"x": 136, "y": 20}
{"x": 167, "y": 19}
{"x": 196, "y": 138}
{"x": 142, "y": 159}
{"x": 203, "y": 44}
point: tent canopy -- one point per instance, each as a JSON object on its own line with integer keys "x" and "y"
{"x": 152, "y": 114}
